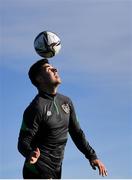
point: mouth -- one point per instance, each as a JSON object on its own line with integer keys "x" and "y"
{"x": 57, "y": 77}
{"x": 56, "y": 74}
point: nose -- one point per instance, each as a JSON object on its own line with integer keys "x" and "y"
{"x": 54, "y": 70}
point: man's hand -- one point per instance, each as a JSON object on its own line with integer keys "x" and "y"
{"x": 97, "y": 163}
{"x": 34, "y": 156}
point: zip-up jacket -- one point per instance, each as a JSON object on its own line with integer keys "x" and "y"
{"x": 46, "y": 123}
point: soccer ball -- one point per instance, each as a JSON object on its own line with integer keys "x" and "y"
{"x": 47, "y": 44}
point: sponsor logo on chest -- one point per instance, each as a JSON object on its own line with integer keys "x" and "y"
{"x": 49, "y": 113}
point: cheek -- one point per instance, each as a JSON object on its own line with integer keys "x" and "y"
{"x": 49, "y": 76}
{"x": 46, "y": 75}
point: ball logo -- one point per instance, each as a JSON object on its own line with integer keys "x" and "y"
{"x": 66, "y": 108}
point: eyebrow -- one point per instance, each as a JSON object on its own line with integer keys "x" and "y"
{"x": 45, "y": 66}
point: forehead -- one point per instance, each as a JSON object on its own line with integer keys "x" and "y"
{"x": 46, "y": 65}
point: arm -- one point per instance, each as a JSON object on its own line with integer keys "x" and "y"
{"x": 82, "y": 144}
{"x": 28, "y": 131}
{"x": 78, "y": 136}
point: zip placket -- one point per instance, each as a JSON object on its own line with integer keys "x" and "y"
{"x": 56, "y": 107}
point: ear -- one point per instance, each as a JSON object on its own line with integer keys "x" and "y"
{"x": 39, "y": 79}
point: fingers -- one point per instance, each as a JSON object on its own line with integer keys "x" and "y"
{"x": 33, "y": 160}
{"x": 37, "y": 152}
{"x": 102, "y": 170}
{"x": 101, "y": 167}
{"x": 34, "y": 156}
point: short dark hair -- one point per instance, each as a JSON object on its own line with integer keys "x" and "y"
{"x": 35, "y": 70}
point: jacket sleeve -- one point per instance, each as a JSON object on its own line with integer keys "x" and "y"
{"x": 78, "y": 136}
{"x": 28, "y": 131}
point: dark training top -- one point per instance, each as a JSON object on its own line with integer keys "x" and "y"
{"x": 46, "y": 123}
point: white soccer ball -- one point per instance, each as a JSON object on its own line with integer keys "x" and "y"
{"x": 47, "y": 44}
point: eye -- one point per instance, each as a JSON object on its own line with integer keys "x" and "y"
{"x": 48, "y": 69}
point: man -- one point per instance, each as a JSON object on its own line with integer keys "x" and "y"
{"x": 46, "y": 123}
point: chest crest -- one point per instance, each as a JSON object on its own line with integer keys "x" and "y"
{"x": 66, "y": 108}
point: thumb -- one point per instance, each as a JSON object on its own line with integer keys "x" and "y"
{"x": 93, "y": 166}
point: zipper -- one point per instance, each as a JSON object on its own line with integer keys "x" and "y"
{"x": 56, "y": 107}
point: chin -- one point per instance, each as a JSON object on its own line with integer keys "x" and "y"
{"x": 58, "y": 80}
{"x": 57, "y": 83}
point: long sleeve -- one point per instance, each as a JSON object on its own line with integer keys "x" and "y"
{"x": 28, "y": 131}
{"x": 78, "y": 136}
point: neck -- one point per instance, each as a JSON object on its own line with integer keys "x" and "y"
{"x": 49, "y": 90}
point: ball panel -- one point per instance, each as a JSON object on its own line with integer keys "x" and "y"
{"x": 57, "y": 48}
{"x": 40, "y": 42}
{"x": 47, "y": 55}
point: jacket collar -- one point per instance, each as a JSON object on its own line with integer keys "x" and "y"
{"x": 46, "y": 95}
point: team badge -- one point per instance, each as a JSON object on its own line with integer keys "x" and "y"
{"x": 66, "y": 108}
